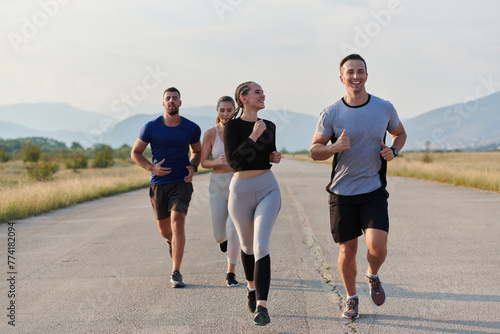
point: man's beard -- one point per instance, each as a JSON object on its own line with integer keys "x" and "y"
{"x": 173, "y": 112}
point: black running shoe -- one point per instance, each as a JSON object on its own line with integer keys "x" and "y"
{"x": 223, "y": 246}
{"x": 176, "y": 280}
{"x": 169, "y": 248}
{"x": 231, "y": 280}
{"x": 251, "y": 300}
{"x": 261, "y": 316}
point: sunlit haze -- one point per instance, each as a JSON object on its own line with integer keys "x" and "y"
{"x": 107, "y": 56}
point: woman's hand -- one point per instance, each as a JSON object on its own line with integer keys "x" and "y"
{"x": 275, "y": 157}
{"x": 221, "y": 160}
{"x": 258, "y": 129}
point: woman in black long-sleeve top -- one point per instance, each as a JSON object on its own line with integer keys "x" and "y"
{"x": 254, "y": 195}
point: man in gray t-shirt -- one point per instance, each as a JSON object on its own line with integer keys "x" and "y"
{"x": 357, "y": 126}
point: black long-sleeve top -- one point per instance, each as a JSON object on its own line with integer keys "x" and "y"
{"x": 242, "y": 153}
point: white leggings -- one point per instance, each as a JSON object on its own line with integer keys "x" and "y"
{"x": 222, "y": 224}
{"x": 254, "y": 204}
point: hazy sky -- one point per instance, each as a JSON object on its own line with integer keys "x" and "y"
{"x": 117, "y": 57}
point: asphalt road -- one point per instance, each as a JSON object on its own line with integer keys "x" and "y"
{"x": 102, "y": 267}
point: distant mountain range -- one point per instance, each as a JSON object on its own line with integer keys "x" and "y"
{"x": 472, "y": 125}
{"x": 68, "y": 124}
{"x": 465, "y": 126}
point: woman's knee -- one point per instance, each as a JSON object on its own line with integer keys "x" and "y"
{"x": 219, "y": 237}
{"x": 247, "y": 249}
{"x": 261, "y": 251}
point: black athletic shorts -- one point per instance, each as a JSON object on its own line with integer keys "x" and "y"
{"x": 170, "y": 197}
{"x": 351, "y": 215}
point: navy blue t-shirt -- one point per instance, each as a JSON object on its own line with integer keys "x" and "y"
{"x": 171, "y": 144}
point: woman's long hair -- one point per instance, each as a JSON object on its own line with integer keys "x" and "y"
{"x": 242, "y": 89}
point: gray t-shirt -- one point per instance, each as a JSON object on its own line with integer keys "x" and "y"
{"x": 357, "y": 168}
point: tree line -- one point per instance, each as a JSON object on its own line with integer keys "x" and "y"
{"x": 43, "y": 157}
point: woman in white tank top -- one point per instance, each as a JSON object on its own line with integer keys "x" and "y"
{"x": 213, "y": 156}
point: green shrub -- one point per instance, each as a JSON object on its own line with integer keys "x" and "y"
{"x": 76, "y": 160}
{"x": 31, "y": 152}
{"x": 42, "y": 171}
{"x": 103, "y": 156}
{"x": 4, "y": 156}
{"x": 123, "y": 152}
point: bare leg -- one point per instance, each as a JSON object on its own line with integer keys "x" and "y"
{"x": 178, "y": 238}
{"x": 347, "y": 264}
{"x": 165, "y": 228}
{"x": 376, "y": 241}
{"x": 231, "y": 267}
{"x": 172, "y": 229}
{"x": 262, "y": 303}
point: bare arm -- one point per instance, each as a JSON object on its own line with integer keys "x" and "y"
{"x": 195, "y": 153}
{"x": 320, "y": 150}
{"x": 398, "y": 141}
{"x": 398, "y": 137}
{"x": 137, "y": 155}
{"x": 206, "y": 150}
{"x": 195, "y": 161}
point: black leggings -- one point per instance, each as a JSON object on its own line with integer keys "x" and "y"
{"x": 262, "y": 270}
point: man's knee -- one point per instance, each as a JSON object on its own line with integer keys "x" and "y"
{"x": 177, "y": 221}
{"x": 348, "y": 249}
{"x": 164, "y": 228}
{"x": 378, "y": 249}
{"x": 376, "y": 241}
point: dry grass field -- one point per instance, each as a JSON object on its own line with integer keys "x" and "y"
{"x": 480, "y": 170}
{"x": 21, "y": 197}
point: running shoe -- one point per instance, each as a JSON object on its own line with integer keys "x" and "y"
{"x": 176, "y": 280}
{"x": 376, "y": 290}
{"x": 251, "y": 300}
{"x": 231, "y": 280}
{"x": 169, "y": 248}
{"x": 223, "y": 246}
{"x": 261, "y": 316}
{"x": 351, "y": 309}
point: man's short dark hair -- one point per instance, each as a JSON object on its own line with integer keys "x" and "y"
{"x": 353, "y": 56}
{"x": 172, "y": 89}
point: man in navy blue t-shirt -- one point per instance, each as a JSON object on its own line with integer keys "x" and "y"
{"x": 170, "y": 136}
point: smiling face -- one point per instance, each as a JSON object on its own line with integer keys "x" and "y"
{"x": 353, "y": 75}
{"x": 255, "y": 98}
{"x": 225, "y": 111}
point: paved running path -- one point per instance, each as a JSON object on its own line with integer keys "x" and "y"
{"x": 102, "y": 267}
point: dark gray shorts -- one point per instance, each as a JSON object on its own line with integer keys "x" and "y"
{"x": 351, "y": 215}
{"x": 170, "y": 197}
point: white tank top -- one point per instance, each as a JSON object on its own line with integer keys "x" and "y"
{"x": 218, "y": 147}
